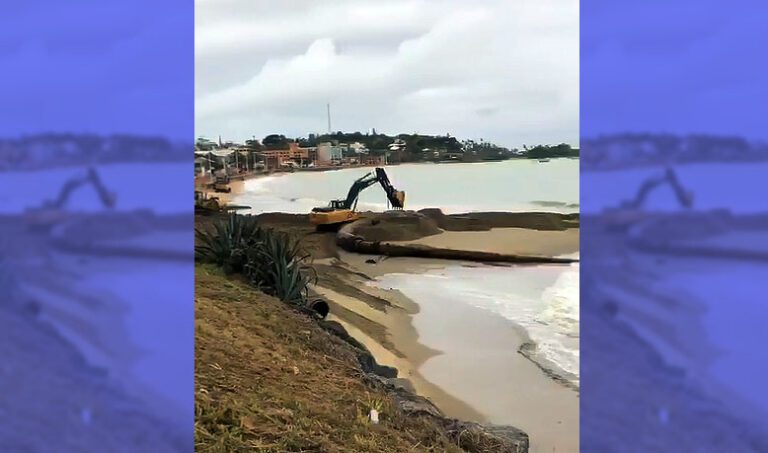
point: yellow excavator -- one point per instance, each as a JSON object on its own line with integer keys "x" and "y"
{"x": 207, "y": 205}
{"x": 631, "y": 211}
{"x": 54, "y": 211}
{"x": 343, "y": 210}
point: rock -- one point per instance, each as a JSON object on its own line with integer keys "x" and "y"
{"x": 474, "y": 437}
{"x": 401, "y": 384}
{"x": 416, "y": 405}
{"x": 364, "y": 357}
{"x": 369, "y": 365}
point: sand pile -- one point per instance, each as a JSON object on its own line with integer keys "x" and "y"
{"x": 390, "y": 234}
{"x": 484, "y": 221}
{"x": 395, "y": 226}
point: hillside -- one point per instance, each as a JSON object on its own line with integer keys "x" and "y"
{"x": 268, "y": 378}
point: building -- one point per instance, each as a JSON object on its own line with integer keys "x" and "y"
{"x": 275, "y": 158}
{"x": 329, "y": 154}
{"x": 358, "y": 148}
{"x": 293, "y": 156}
{"x": 373, "y": 160}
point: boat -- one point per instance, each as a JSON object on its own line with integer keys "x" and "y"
{"x": 544, "y": 160}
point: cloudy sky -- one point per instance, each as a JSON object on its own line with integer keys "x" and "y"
{"x": 506, "y": 71}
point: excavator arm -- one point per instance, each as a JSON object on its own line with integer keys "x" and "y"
{"x": 670, "y": 177}
{"x": 396, "y": 198}
{"x": 107, "y": 198}
{"x": 357, "y": 187}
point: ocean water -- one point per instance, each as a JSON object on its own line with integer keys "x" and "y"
{"x": 543, "y": 300}
{"x": 514, "y": 185}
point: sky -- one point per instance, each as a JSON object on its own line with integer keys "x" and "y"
{"x": 506, "y": 71}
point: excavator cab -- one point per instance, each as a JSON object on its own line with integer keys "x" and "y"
{"x": 343, "y": 210}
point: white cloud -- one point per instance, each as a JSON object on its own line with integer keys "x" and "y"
{"x": 503, "y": 70}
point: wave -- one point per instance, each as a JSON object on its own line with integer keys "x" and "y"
{"x": 548, "y": 316}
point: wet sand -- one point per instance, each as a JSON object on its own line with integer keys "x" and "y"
{"x": 505, "y": 386}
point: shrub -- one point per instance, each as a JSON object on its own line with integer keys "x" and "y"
{"x": 227, "y": 243}
{"x": 279, "y": 267}
{"x": 272, "y": 261}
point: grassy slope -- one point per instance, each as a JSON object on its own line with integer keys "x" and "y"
{"x": 270, "y": 379}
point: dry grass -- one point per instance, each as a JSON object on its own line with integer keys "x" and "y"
{"x": 270, "y": 379}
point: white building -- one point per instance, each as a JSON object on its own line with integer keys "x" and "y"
{"x": 358, "y": 148}
{"x": 327, "y": 153}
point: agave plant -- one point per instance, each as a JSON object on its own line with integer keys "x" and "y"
{"x": 279, "y": 266}
{"x": 227, "y": 243}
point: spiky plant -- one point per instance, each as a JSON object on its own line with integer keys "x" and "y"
{"x": 227, "y": 243}
{"x": 280, "y": 267}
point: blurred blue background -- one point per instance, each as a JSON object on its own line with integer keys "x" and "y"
{"x": 96, "y": 226}
{"x": 673, "y": 305}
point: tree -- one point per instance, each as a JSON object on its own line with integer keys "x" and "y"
{"x": 275, "y": 141}
{"x": 253, "y": 145}
{"x": 203, "y": 144}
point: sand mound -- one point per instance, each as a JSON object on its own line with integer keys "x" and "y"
{"x": 395, "y": 226}
{"x": 380, "y": 234}
{"x": 410, "y": 226}
{"x": 483, "y": 221}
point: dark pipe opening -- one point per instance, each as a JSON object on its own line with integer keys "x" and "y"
{"x": 320, "y": 307}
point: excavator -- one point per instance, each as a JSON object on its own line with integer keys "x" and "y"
{"x": 631, "y": 211}
{"x": 684, "y": 197}
{"x": 343, "y": 210}
{"x": 53, "y": 212}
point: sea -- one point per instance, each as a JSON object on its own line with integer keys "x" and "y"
{"x": 513, "y": 185}
{"x": 542, "y": 300}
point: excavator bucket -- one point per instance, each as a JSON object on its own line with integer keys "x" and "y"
{"x": 400, "y": 197}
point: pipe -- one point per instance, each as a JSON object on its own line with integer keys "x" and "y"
{"x": 356, "y": 244}
{"x": 319, "y": 306}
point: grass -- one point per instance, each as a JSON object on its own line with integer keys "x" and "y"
{"x": 269, "y": 379}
